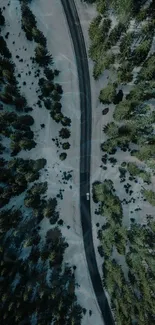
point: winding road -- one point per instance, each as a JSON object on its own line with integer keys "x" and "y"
{"x": 85, "y": 154}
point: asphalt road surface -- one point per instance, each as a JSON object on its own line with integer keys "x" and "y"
{"x": 85, "y": 154}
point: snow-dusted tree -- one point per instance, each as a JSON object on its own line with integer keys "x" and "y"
{"x": 66, "y": 121}
{"x": 38, "y": 36}
{"x": 3, "y": 48}
{"x": 42, "y": 57}
{"x": 64, "y": 133}
{"x": 2, "y": 19}
{"x": 27, "y": 144}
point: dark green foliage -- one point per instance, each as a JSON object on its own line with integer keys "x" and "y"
{"x": 148, "y": 70}
{"x": 49, "y": 74}
{"x": 66, "y": 121}
{"x": 46, "y": 88}
{"x": 38, "y": 36}
{"x": 42, "y": 57}
{"x": 125, "y": 72}
{"x": 63, "y": 156}
{"x": 26, "y": 119}
{"x": 65, "y": 145}
{"x": 111, "y": 206}
{"x": 27, "y": 144}
{"x": 9, "y": 219}
{"x": 3, "y": 48}
{"x": 20, "y": 103}
{"x": 64, "y": 133}
{"x": 58, "y": 88}
{"x": 48, "y": 104}
{"x": 108, "y": 94}
{"x": 28, "y": 21}
{"x": 116, "y": 33}
{"x": 56, "y": 96}
{"x": 2, "y": 19}
{"x": 33, "y": 195}
{"x": 141, "y": 52}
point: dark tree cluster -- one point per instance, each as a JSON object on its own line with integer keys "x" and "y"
{"x": 17, "y": 128}
{"x": 15, "y": 176}
{"x": 2, "y": 19}
{"x": 50, "y": 92}
{"x": 4, "y": 51}
{"x": 16, "y": 296}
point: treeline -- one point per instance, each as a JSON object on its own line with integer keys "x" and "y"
{"x": 132, "y": 292}
{"x": 128, "y": 252}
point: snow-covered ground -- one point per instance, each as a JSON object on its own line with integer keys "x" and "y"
{"x": 51, "y": 20}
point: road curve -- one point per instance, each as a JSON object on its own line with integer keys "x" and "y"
{"x": 85, "y": 154}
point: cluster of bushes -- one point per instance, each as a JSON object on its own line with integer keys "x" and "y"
{"x": 51, "y": 92}
{"x": 17, "y": 128}
{"x": 149, "y": 195}
{"x": 108, "y": 94}
{"x": 134, "y": 170}
{"x": 111, "y": 206}
{"x": 136, "y": 123}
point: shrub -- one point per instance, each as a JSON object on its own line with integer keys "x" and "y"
{"x": 63, "y": 156}
{"x": 27, "y": 144}
{"x": 66, "y": 145}
{"x": 116, "y": 32}
{"x": 149, "y": 195}
{"x": 48, "y": 103}
{"x": 125, "y": 73}
{"x": 26, "y": 119}
{"x": 66, "y": 121}
{"x": 50, "y": 208}
{"x": 38, "y": 36}
{"x": 93, "y": 28}
{"x": 2, "y": 19}
{"x": 148, "y": 70}
{"x": 49, "y": 74}
{"x": 3, "y": 49}
{"x": 123, "y": 110}
{"x": 42, "y": 57}
{"x": 56, "y": 96}
{"x": 145, "y": 152}
{"x": 141, "y": 52}
{"x": 135, "y": 171}
{"x": 20, "y": 103}
{"x": 47, "y": 88}
{"x": 64, "y": 133}
{"x": 108, "y": 94}
{"x": 58, "y": 88}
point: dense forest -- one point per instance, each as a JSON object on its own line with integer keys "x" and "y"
{"x": 36, "y": 285}
{"x": 122, "y": 44}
